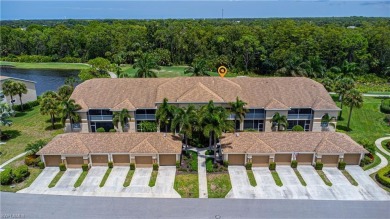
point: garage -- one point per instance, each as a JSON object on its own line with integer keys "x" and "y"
{"x": 99, "y": 160}
{"x": 167, "y": 159}
{"x": 52, "y": 160}
{"x": 236, "y": 159}
{"x": 143, "y": 161}
{"x": 260, "y": 160}
{"x": 305, "y": 158}
{"x": 330, "y": 160}
{"x": 74, "y": 162}
{"x": 352, "y": 159}
{"x": 121, "y": 159}
{"x": 283, "y": 159}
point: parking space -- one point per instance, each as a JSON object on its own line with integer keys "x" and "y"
{"x": 116, "y": 179}
{"x": 266, "y": 187}
{"x": 341, "y": 188}
{"x": 315, "y": 185}
{"x": 42, "y": 182}
{"x": 139, "y": 185}
{"x": 92, "y": 180}
{"x": 165, "y": 182}
{"x": 241, "y": 187}
{"x": 67, "y": 181}
{"x": 367, "y": 186}
{"x": 292, "y": 187}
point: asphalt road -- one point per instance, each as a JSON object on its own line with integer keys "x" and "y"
{"x": 50, "y": 206}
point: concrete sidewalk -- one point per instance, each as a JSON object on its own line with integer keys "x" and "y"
{"x": 384, "y": 162}
{"x": 202, "y": 175}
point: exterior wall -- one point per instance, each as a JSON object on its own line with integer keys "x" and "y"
{"x": 316, "y": 125}
{"x": 30, "y": 96}
{"x": 268, "y": 116}
{"x": 84, "y": 124}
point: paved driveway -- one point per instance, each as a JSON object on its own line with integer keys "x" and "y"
{"x": 367, "y": 187}
{"x": 266, "y": 187}
{"x": 315, "y": 185}
{"x": 67, "y": 181}
{"x": 92, "y": 180}
{"x": 165, "y": 182}
{"x": 292, "y": 187}
{"x": 241, "y": 187}
{"x": 41, "y": 183}
{"x": 342, "y": 188}
{"x": 139, "y": 185}
{"x": 116, "y": 179}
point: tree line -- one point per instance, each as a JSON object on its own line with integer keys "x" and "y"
{"x": 285, "y": 47}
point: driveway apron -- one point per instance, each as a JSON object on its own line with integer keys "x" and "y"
{"x": 165, "y": 182}
{"x": 266, "y": 187}
{"x": 315, "y": 185}
{"x": 116, "y": 179}
{"x": 92, "y": 180}
{"x": 367, "y": 187}
{"x": 292, "y": 187}
{"x": 41, "y": 183}
{"x": 241, "y": 187}
{"x": 140, "y": 182}
{"x": 342, "y": 188}
{"x": 67, "y": 181}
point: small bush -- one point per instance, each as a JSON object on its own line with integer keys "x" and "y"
{"x": 110, "y": 164}
{"x": 193, "y": 164}
{"x": 369, "y": 146}
{"x": 132, "y": 166}
{"x": 41, "y": 165}
{"x": 177, "y": 164}
{"x": 84, "y": 167}
{"x": 365, "y": 161}
{"x": 26, "y": 106}
{"x": 62, "y": 167}
{"x": 112, "y": 130}
{"x": 29, "y": 160}
{"x": 21, "y": 173}
{"x": 319, "y": 166}
{"x": 388, "y": 145}
{"x": 248, "y": 166}
{"x": 297, "y": 128}
{"x": 341, "y": 165}
{"x": 383, "y": 176}
{"x": 209, "y": 165}
{"x": 226, "y": 163}
{"x": 6, "y": 176}
{"x": 385, "y": 106}
{"x": 272, "y": 166}
{"x": 101, "y": 129}
{"x": 155, "y": 167}
{"x": 294, "y": 164}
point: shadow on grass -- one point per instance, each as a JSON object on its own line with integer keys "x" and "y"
{"x": 56, "y": 127}
{"x": 20, "y": 114}
{"x": 55, "y": 120}
{"x": 9, "y": 134}
{"x": 344, "y": 128}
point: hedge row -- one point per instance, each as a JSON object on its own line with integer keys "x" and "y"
{"x": 385, "y": 106}
{"x": 26, "y": 106}
{"x": 383, "y": 176}
{"x": 8, "y": 176}
{"x": 39, "y": 58}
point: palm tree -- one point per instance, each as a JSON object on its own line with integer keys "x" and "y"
{"x": 72, "y": 81}
{"x": 124, "y": 74}
{"x": 68, "y": 111}
{"x": 342, "y": 86}
{"x": 20, "y": 89}
{"x": 325, "y": 120}
{"x": 279, "y": 121}
{"x": 50, "y": 105}
{"x": 239, "y": 111}
{"x": 198, "y": 68}
{"x": 145, "y": 65}
{"x": 328, "y": 84}
{"x": 121, "y": 117}
{"x": 353, "y": 98}
{"x": 164, "y": 114}
{"x": 9, "y": 90}
{"x": 5, "y": 112}
{"x": 65, "y": 91}
{"x": 185, "y": 118}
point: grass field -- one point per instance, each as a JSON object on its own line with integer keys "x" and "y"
{"x": 27, "y": 127}
{"x": 46, "y": 65}
{"x": 218, "y": 185}
{"x": 187, "y": 185}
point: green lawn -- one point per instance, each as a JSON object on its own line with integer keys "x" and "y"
{"x": 277, "y": 179}
{"x": 187, "y": 185}
{"x": 251, "y": 178}
{"x": 56, "y": 179}
{"x": 46, "y": 65}
{"x": 129, "y": 176}
{"x": 300, "y": 177}
{"x": 27, "y": 127}
{"x": 349, "y": 177}
{"x": 218, "y": 185}
{"x": 81, "y": 178}
{"x": 153, "y": 178}
{"x": 324, "y": 178}
{"x": 105, "y": 177}
{"x": 34, "y": 172}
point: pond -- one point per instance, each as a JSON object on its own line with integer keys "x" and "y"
{"x": 46, "y": 79}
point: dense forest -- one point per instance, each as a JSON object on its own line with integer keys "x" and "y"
{"x": 304, "y": 47}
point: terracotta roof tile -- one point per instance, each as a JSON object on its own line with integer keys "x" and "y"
{"x": 199, "y": 93}
{"x": 126, "y": 104}
{"x": 275, "y": 104}
{"x": 323, "y": 104}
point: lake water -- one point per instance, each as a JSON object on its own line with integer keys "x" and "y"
{"x": 46, "y": 79}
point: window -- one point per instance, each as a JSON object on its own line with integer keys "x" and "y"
{"x": 257, "y": 125}
{"x": 76, "y": 125}
{"x": 304, "y": 123}
{"x": 106, "y": 125}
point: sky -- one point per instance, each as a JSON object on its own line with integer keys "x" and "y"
{"x": 180, "y": 9}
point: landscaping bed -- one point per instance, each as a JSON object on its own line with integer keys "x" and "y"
{"x": 129, "y": 176}
{"x": 187, "y": 185}
{"x": 189, "y": 162}
{"x": 218, "y": 185}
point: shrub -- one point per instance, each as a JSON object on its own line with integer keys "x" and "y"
{"x": 294, "y": 164}
{"x": 101, "y": 129}
{"x": 209, "y": 165}
{"x": 272, "y": 166}
{"x": 41, "y": 165}
{"x": 6, "y": 176}
{"x": 225, "y": 163}
{"x": 177, "y": 164}
{"x": 383, "y": 176}
{"x": 62, "y": 167}
{"x": 248, "y": 166}
{"x": 155, "y": 167}
{"x": 132, "y": 166}
{"x": 365, "y": 161}
{"x": 341, "y": 165}
{"x": 297, "y": 128}
{"x": 112, "y": 130}
{"x": 388, "y": 145}
{"x": 369, "y": 146}
{"x": 385, "y": 106}
{"x": 21, "y": 173}
{"x": 29, "y": 160}
{"x": 194, "y": 161}
{"x": 27, "y": 106}
{"x": 84, "y": 167}
{"x": 110, "y": 164}
{"x": 34, "y": 147}
{"x": 69, "y": 59}
{"x": 319, "y": 165}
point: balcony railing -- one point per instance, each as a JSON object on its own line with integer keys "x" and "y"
{"x": 145, "y": 117}
{"x": 299, "y": 116}
{"x": 254, "y": 116}
{"x": 100, "y": 117}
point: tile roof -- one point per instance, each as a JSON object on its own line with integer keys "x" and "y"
{"x": 126, "y": 104}
{"x": 275, "y": 92}
{"x": 271, "y": 142}
{"x": 275, "y": 104}
{"x": 86, "y": 143}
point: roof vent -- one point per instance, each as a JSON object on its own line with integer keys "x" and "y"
{"x": 237, "y": 134}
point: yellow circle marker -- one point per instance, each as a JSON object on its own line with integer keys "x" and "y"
{"x": 222, "y": 70}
